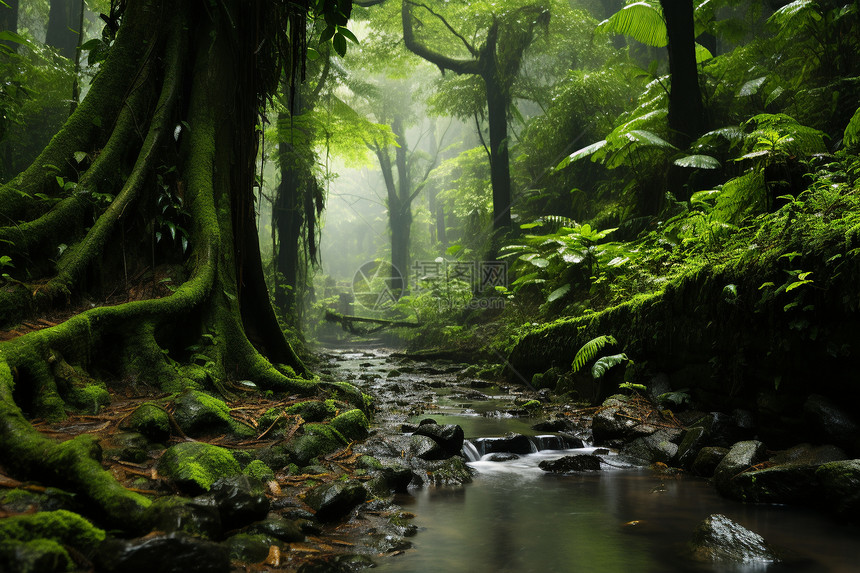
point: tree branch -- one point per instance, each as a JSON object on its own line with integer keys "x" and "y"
{"x": 443, "y": 62}
{"x": 469, "y": 46}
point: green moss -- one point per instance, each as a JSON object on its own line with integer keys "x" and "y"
{"x": 195, "y": 466}
{"x": 37, "y": 556}
{"x": 151, "y": 420}
{"x": 317, "y": 440}
{"x": 90, "y": 398}
{"x": 62, "y": 526}
{"x": 259, "y": 470}
{"x": 352, "y": 424}
{"x": 312, "y": 410}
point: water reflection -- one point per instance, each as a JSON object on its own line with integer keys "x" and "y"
{"x": 515, "y": 518}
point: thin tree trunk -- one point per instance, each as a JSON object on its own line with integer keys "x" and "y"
{"x": 63, "y": 27}
{"x": 686, "y": 113}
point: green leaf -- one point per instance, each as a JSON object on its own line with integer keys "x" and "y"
{"x": 648, "y": 138}
{"x": 603, "y": 364}
{"x": 698, "y": 162}
{"x": 641, "y": 21}
{"x": 339, "y": 44}
{"x": 796, "y": 284}
{"x": 313, "y": 54}
{"x": 80, "y": 156}
{"x": 851, "y": 137}
{"x": 6, "y": 261}
{"x": 702, "y": 53}
{"x": 589, "y": 350}
{"x": 347, "y": 33}
{"x": 751, "y": 87}
{"x": 558, "y": 293}
{"x": 539, "y": 262}
{"x": 580, "y": 153}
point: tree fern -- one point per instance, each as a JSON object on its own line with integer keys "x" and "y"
{"x": 589, "y": 350}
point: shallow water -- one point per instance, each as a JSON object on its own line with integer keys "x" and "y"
{"x": 516, "y": 518}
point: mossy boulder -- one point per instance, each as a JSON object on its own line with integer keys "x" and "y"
{"x": 313, "y": 410}
{"x": 62, "y": 526}
{"x": 37, "y": 556}
{"x": 198, "y": 414}
{"x": 707, "y": 460}
{"x": 195, "y": 466}
{"x": 353, "y": 424}
{"x": 89, "y": 398}
{"x": 127, "y": 446}
{"x": 247, "y": 547}
{"x": 840, "y": 485}
{"x": 259, "y": 470}
{"x": 317, "y": 440}
{"x": 150, "y": 420}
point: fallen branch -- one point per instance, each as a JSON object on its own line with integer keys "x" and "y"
{"x": 347, "y": 323}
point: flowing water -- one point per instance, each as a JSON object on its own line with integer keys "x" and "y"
{"x": 517, "y": 518}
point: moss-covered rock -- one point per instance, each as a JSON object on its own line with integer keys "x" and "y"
{"x": 317, "y": 440}
{"x": 37, "y": 556}
{"x": 312, "y": 410}
{"x": 353, "y": 425}
{"x": 89, "y": 398}
{"x": 150, "y": 420}
{"x": 198, "y": 413}
{"x": 248, "y": 548}
{"x": 259, "y": 470}
{"x": 127, "y": 446}
{"x": 332, "y": 500}
{"x": 840, "y": 485}
{"x": 62, "y": 526}
{"x": 195, "y": 466}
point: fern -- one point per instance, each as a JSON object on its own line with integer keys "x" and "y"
{"x": 589, "y": 350}
{"x": 603, "y": 364}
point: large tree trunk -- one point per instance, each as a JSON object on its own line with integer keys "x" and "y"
{"x": 686, "y": 113}
{"x": 401, "y": 211}
{"x": 500, "y": 172}
{"x": 64, "y": 26}
{"x": 188, "y": 64}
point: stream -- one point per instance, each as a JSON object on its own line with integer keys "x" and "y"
{"x": 514, "y": 517}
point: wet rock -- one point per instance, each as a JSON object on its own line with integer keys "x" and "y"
{"x": 657, "y": 447}
{"x": 287, "y": 530}
{"x": 840, "y": 486}
{"x": 448, "y": 436}
{"x": 720, "y": 429}
{"x": 171, "y": 553}
{"x": 172, "y": 514}
{"x": 741, "y": 457}
{"x": 240, "y": 499}
{"x": 387, "y": 543}
{"x": 831, "y": 424}
{"x": 337, "y": 564}
{"x": 579, "y": 463}
{"x": 788, "y": 483}
{"x": 194, "y": 466}
{"x": 452, "y": 471}
{"x": 198, "y": 413}
{"x": 707, "y": 460}
{"x": 512, "y": 443}
{"x": 396, "y": 477}
{"x": 425, "y": 448}
{"x": 502, "y": 457}
{"x": 335, "y": 499}
{"x": 352, "y": 424}
{"x": 609, "y": 423}
{"x": 557, "y": 425}
{"x": 150, "y": 420}
{"x": 691, "y": 443}
{"x": 247, "y": 547}
{"x": 719, "y": 539}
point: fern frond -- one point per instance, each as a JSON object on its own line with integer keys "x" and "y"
{"x": 603, "y": 364}
{"x": 589, "y": 350}
{"x": 641, "y": 21}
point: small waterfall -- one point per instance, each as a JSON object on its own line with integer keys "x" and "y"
{"x": 475, "y": 449}
{"x": 470, "y": 452}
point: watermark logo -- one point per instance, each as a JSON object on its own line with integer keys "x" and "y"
{"x": 377, "y": 285}
{"x": 479, "y": 275}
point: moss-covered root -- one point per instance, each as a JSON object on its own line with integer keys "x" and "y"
{"x": 73, "y": 464}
